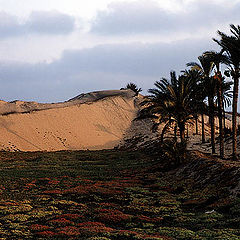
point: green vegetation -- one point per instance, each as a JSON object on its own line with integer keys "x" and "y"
{"x": 108, "y": 195}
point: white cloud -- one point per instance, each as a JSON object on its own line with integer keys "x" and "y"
{"x": 140, "y": 17}
{"x": 41, "y": 22}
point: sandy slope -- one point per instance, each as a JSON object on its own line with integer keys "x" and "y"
{"x": 93, "y": 121}
{"x": 97, "y": 120}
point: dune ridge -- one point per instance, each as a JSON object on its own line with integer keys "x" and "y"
{"x": 93, "y": 121}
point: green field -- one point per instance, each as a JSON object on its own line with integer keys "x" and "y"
{"x": 102, "y": 195}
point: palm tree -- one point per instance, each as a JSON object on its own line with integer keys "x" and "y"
{"x": 227, "y": 98}
{"x": 201, "y": 106}
{"x": 134, "y": 88}
{"x": 218, "y": 58}
{"x": 206, "y": 67}
{"x": 170, "y": 103}
{"x": 196, "y": 76}
{"x": 231, "y": 45}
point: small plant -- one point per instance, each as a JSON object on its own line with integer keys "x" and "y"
{"x": 175, "y": 151}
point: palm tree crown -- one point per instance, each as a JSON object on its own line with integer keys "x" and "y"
{"x": 170, "y": 102}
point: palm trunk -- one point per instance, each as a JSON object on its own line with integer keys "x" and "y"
{"x": 164, "y": 131}
{"x": 224, "y": 120}
{"x": 203, "y": 131}
{"x": 212, "y": 122}
{"x": 165, "y": 128}
{"x": 175, "y": 133}
{"x": 234, "y": 115}
{"x": 220, "y": 117}
{"x": 182, "y": 132}
{"x": 196, "y": 123}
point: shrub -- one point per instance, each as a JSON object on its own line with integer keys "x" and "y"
{"x": 175, "y": 152}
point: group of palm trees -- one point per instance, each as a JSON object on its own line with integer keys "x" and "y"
{"x": 180, "y": 100}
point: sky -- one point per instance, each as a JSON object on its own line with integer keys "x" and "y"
{"x": 53, "y": 50}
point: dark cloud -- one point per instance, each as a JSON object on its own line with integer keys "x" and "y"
{"x": 101, "y": 67}
{"x": 148, "y": 17}
{"x": 50, "y": 23}
{"x": 9, "y": 25}
{"x": 131, "y": 17}
{"x": 42, "y": 22}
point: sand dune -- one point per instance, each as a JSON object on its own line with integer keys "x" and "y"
{"x": 91, "y": 121}
{"x": 96, "y": 120}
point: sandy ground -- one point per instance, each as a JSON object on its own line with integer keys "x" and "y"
{"x": 140, "y": 135}
{"x": 97, "y": 120}
{"x": 94, "y": 123}
{"x": 194, "y": 140}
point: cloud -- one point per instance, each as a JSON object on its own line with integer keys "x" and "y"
{"x": 149, "y": 17}
{"x": 101, "y": 67}
{"x": 51, "y": 22}
{"x": 131, "y": 17}
{"x": 9, "y": 25}
{"x": 40, "y": 22}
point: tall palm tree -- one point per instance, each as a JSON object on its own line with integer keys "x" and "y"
{"x": 206, "y": 67}
{"x": 218, "y": 58}
{"x": 202, "y": 107}
{"x": 170, "y": 102}
{"x": 231, "y": 45}
{"x": 227, "y": 98}
{"x": 196, "y": 76}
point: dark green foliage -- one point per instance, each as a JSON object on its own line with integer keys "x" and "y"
{"x": 171, "y": 102}
{"x": 175, "y": 152}
{"x": 134, "y": 88}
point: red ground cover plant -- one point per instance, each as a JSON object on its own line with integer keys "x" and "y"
{"x": 68, "y": 231}
{"x": 80, "y": 190}
{"x": 38, "y": 227}
{"x": 60, "y": 222}
{"x": 112, "y": 216}
{"x": 12, "y": 203}
{"x": 43, "y": 180}
{"x": 53, "y": 182}
{"x": 30, "y": 185}
{"x": 93, "y": 227}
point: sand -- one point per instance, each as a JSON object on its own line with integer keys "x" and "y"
{"x": 94, "y": 121}
{"x": 82, "y": 123}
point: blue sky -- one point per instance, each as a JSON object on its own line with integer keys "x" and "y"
{"x": 53, "y": 50}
